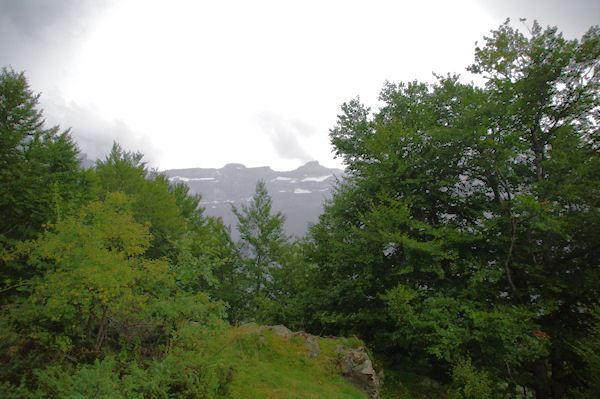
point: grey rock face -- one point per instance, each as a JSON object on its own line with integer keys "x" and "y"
{"x": 358, "y": 369}
{"x": 281, "y": 330}
{"x": 312, "y": 344}
{"x": 299, "y": 194}
{"x": 309, "y": 340}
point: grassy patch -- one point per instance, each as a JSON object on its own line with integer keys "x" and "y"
{"x": 273, "y": 367}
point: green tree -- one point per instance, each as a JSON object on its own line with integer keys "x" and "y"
{"x": 228, "y": 281}
{"x": 39, "y": 167}
{"x": 40, "y": 178}
{"x": 195, "y": 245}
{"x": 262, "y": 240}
{"x": 92, "y": 278}
{"x": 549, "y": 89}
{"x": 471, "y": 214}
{"x": 97, "y": 296}
{"x": 156, "y": 203}
{"x": 102, "y": 271}
{"x": 287, "y": 301}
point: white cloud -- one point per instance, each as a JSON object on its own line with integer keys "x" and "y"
{"x": 94, "y": 133}
{"x": 286, "y": 135}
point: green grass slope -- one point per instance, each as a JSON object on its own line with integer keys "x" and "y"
{"x": 265, "y": 365}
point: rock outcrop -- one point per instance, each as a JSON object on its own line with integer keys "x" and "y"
{"x": 309, "y": 340}
{"x": 312, "y": 344}
{"x": 280, "y": 330}
{"x": 358, "y": 369}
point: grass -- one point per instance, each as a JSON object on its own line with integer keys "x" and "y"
{"x": 273, "y": 367}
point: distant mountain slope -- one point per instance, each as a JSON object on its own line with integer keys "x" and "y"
{"x": 299, "y": 194}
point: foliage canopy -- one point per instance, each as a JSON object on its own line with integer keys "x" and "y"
{"x": 471, "y": 215}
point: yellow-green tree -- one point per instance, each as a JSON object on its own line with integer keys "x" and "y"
{"x": 93, "y": 278}
{"x": 153, "y": 202}
{"x": 97, "y": 296}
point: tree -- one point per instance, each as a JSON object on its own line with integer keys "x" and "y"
{"x": 40, "y": 178}
{"x": 262, "y": 243}
{"x": 229, "y": 281}
{"x": 288, "y": 301}
{"x": 97, "y": 296}
{"x": 39, "y": 167}
{"x": 195, "y": 245}
{"x": 549, "y": 89}
{"x": 156, "y": 203}
{"x": 472, "y": 215}
{"x": 92, "y": 279}
{"x": 102, "y": 271}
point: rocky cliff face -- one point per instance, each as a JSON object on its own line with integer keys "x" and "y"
{"x": 299, "y": 194}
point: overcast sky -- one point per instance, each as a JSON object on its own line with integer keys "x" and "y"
{"x": 206, "y": 83}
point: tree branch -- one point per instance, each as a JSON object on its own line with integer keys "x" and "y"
{"x": 513, "y": 238}
{"x": 21, "y": 284}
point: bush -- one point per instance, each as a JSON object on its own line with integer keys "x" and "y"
{"x": 470, "y": 382}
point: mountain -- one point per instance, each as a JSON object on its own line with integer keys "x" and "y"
{"x": 299, "y": 194}
{"x": 85, "y": 162}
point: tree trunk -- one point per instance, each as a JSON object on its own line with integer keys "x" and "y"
{"x": 538, "y": 143}
{"x": 541, "y": 380}
{"x": 558, "y": 374}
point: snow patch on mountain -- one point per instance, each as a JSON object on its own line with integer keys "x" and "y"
{"x": 186, "y": 179}
{"x": 317, "y": 178}
{"x": 282, "y": 178}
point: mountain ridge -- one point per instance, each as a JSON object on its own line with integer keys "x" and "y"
{"x": 299, "y": 194}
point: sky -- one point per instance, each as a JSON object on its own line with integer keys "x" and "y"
{"x": 207, "y": 83}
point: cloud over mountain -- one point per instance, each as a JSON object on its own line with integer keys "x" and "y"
{"x": 285, "y": 135}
